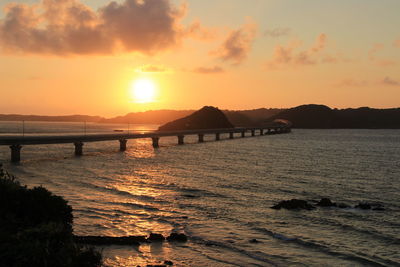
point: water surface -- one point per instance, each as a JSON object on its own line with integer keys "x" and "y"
{"x": 220, "y": 194}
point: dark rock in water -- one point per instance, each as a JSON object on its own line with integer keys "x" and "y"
{"x": 205, "y": 118}
{"x": 155, "y": 237}
{"x": 110, "y": 240}
{"x": 189, "y": 196}
{"x": 254, "y": 241}
{"x": 168, "y": 263}
{"x": 363, "y": 206}
{"x": 343, "y": 206}
{"x": 326, "y": 202}
{"x": 378, "y": 207}
{"x": 177, "y": 237}
{"x": 293, "y": 204}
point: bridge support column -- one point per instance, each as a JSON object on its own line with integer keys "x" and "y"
{"x": 231, "y": 135}
{"x": 253, "y": 132}
{"x": 15, "y": 153}
{"x": 78, "y": 148}
{"x": 155, "y": 142}
{"x": 201, "y": 138}
{"x": 217, "y": 136}
{"x": 269, "y": 131}
{"x": 243, "y": 134}
{"x": 180, "y": 139}
{"x": 261, "y": 131}
{"x": 122, "y": 144}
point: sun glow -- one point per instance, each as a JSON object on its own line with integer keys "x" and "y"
{"x": 143, "y": 91}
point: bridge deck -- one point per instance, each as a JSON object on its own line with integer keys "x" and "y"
{"x": 61, "y": 139}
{"x": 16, "y": 142}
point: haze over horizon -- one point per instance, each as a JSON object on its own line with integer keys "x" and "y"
{"x": 90, "y": 57}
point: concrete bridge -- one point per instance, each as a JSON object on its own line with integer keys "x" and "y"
{"x": 16, "y": 142}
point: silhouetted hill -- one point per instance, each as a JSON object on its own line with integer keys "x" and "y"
{"x": 206, "y": 118}
{"x": 260, "y": 114}
{"x": 67, "y": 118}
{"x": 238, "y": 119}
{"x": 323, "y": 117}
{"x": 149, "y": 117}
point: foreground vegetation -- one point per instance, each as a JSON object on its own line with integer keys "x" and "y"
{"x": 36, "y": 228}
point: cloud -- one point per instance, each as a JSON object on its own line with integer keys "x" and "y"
{"x": 277, "y": 32}
{"x": 374, "y": 50}
{"x": 290, "y": 56}
{"x": 209, "y": 70}
{"x": 152, "y": 68}
{"x": 237, "y": 45}
{"x": 352, "y": 83}
{"x": 389, "y": 81}
{"x": 197, "y": 31}
{"x": 65, "y": 27}
{"x": 372, "y": 55}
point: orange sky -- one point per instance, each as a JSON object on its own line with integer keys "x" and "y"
{"x": 74, "y": 56}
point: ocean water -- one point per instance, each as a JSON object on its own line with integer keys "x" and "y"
{"x": 220, "y": 193}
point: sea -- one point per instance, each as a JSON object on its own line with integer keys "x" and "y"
{"x": 220, "y": 193}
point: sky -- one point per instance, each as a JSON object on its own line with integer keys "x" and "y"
{"x": 61, "y": 57}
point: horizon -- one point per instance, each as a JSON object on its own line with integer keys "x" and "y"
{"x": 150, "y": 110}
{"x": 267, "y": 53}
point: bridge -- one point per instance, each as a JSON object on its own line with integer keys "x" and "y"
{"x": 16, "y": 142}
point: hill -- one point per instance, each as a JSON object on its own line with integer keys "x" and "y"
{"x": 323, "y": 117}
{"x": 206, "y": 118}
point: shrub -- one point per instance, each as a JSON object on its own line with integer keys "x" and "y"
{"x": 36, "y": 228}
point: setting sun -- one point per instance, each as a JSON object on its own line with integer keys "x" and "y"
{"x": 143, "y": 91}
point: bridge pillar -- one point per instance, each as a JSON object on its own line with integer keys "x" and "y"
{"x": 269, "y": 131}
{"x": 155, "y": 142}
{"x": 253, "y": 132}
{"x": 78, "y": 148}
{"x": 15, "y": 153}
{"x": 180, "y": 139}
{"x": 201, "y": 138}
{"x": 122, "y": 144}
{"x": 231, "y": 135}
{"x": 217, "y": 136}
{"x": 261, "y": 131}
{"x": 243, "y": 134}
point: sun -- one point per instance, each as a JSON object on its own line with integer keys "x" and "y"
{"x": 143, "y": 91}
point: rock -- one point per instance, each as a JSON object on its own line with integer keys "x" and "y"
{"x": 254, "y": 240}
{"x": 155, "y": 237}
{"x": 110, "y": 240}
{"x": 206, "y": 118}
{"x": 177, "y": 237}
{"x": 189, "y": 196}
{"x": 168, "y": 263}
{"x": 293, "y": 204}
{"x": 343, "y": 206}
{"x": 326, "y": 202}
{"x": 378, "y": 207}
{"x": 363, "y": 206}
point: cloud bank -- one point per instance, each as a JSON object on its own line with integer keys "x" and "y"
{"x": 290, "y": 55}
{"x": 237, "y": 45}
{"x": 391, "y": 82}
{"x": 209, "y": 70}
{"x": 277, "y": 32}
{"x": 65, "y": 27}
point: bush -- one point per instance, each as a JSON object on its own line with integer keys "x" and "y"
{"x": 36, "y": 228}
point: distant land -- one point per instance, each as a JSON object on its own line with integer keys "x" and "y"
{"x": 323, "y": 117}
{"x": 310, "y": 116}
